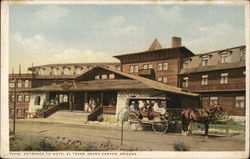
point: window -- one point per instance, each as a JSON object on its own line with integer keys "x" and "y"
{"x": 20, "y": 98}
{"x": 159, "y": 79}
{"x": 26, "y": 84}
{"x": 243, "y": 55}
{"x": 78, "y": 70}
{"x": 131, "y": 69}
{"x": 65, "y": 98}
{"x": 224, "y": 78}
{"x": 97, "y": 77}
{"x": 27, "y": 98}
{"x": 118, "y": 68}
{"x": 12, "y": 98}
{"x": 213, "y": 100}
{"x": 55, "y": 71}
{"x": 19, "y": 111}
{"x": 12, "y": 84}
{"x": 244, "y": 72}
{"x": 204, "y": 79}
{"x": 19, "y": 84}
{"x": 136, "y": 68}
{"x": 104, "y": 77}
{"x": 150, "y": 66}
{"x": 204, "y": 60}
{"x": 165, "y": 66}
{"x": 224, "y": 58}
{"x": 185, "y": 82}
{"x": 159, "y": 66}
{"x": 66, "y": 71}
{"x": 165, "y": 80}
{"x": 111, "y": 76}
{"x": 240, "y": 101}
{"x": 145, "y": 67}
{"x": 185, "y": 63}
{"x": 41, "y": 71}
{"x": 37, "y": 100}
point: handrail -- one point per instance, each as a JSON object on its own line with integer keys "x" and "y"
{"x": 93, "y": 115}
{"x": 50, "y": 111}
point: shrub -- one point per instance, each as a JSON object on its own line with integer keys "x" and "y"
{"x": 180, "y": 146}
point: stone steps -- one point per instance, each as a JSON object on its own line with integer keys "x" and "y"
{"x": 70, "y": 115}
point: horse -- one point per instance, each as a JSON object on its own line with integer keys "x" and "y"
{"x": 198, "y": 115}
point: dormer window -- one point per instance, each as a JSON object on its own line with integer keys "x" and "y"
{"x": 55, "y": 71}
{"x": 243, "y": 55}
{"x": 66, "y": 70}
{"x": 224, "y": 57}
{"x": 185, "y": 63}
{"x": 78, "y": 70}
{"x": 118, "y": 68}
{"x": 204, "y": 60}
{"x": 111, "y": 76}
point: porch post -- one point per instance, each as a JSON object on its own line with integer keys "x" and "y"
{"x": 70, "y": 101}
{"x": 101, "y": 100}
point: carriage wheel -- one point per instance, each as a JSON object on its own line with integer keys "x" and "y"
{"x": 160, "y": 126}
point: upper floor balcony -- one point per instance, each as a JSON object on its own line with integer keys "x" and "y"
{"x": 216, "y": 87}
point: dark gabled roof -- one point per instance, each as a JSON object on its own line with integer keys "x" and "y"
{"x": 75, "y": 64}
{"x": 213, "y": 67}
{"x": 150, "y": 83}
{"x": 184, "y": 49}
{"x": 222, "y": 50}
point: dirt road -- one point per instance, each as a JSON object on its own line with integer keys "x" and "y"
{"x": 146, "y": 140}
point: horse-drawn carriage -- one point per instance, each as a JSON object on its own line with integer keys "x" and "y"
{"x": 150, "y": 111}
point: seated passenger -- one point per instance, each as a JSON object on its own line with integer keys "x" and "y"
{"x": 134, "y": 107}
{"x": 158, "y": 107}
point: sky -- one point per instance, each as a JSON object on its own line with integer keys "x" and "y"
{"x": 47, "y": 34}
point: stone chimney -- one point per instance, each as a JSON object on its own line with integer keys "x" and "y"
{"x": 176, "y": 41}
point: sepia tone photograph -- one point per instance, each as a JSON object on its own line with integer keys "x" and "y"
{"x": 126, "y": 79}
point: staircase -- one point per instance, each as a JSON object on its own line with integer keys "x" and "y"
{"x": 70, "y": 115}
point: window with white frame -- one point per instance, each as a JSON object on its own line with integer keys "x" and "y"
{"x": 97, "y": 77}
{"x": 118, "y": 68}
{"x": 159, "y": 66}
{"x": 111, "y": 76}
{"x": 204, "y": 79}
{"x": 165, "y": 80}
{"x": 20, "y": 98}
{"x": 159, "y": 79}
{"x": 131, "y": 69}
{"x": 12, "y": 97}
{"x": 150, "y": 66}
{"x": 204, "y": 60}
{"x": 19, "y": 83}
{"x": 26, "y": 84}
{"x": 65, "y": 98}
{"x": 185, "y": 63}
{"x": 104, "y": 76}
{"x": 243, "y": 55}
{"x": 12, "y": 84}
{"x": 244, "y": 72}
{"x": 145, "y": 67}
{"x": 213, "y": 100}
{"x": 165, "y": 66}
{"x": 136, "y": 68}
{"x": 55, "y": 71}
{"x": 240, "y": 101}
{"x": 224, "y": 78}
{"x": 78, "y": 70}
{"x": 27, "y": 98}
{"x": 224, "y": 58}
{"x": 185, "y": 82}
{"x": 66, "y": 70}
{"x": 19, "y": 111}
